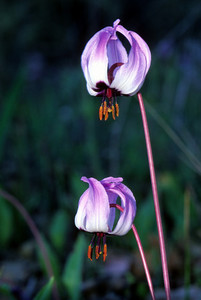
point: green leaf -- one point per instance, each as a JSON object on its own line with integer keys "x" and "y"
{"x": 8, "y": 108}
{"x": 172, "y": 202}
{"x": 72, "y": 275}
{"x": 45, "y": 292}
{"x": 58, "y": 229}
{"x": 6, "y": 222}
{"x": 145, "y": 220}
{"x": 5, "y": 290}
{"x": 53, "y": 260}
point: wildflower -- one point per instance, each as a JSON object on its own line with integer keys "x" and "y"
{"x": 110, "y": 71}
{"x": 96, "y": 211}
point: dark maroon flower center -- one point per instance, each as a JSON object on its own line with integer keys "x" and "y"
{"x": 108, "y": 95}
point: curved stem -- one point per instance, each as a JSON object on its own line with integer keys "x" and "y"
{"x": 156, "y": 200}
{"x": 149, "y": 281}
{"x": 15, "y": 202}
{"x": 143, "y": 261}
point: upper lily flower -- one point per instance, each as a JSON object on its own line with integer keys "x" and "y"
{"x": 110, "y": 71}
{"x": 96, "y": 211}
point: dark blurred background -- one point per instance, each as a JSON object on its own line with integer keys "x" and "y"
{"x": 50, "y": 136}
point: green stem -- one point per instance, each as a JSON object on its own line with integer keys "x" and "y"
{"x": 15, "y": 202}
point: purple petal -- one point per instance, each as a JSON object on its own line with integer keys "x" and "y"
{"x": 116, "y": 52}
{"x": 112, "y": 200}
{"x": 91, "y": 91}
{"x": 130, "y": 76}
{"x": 144, "y": 48}
{"x": 142, "y": 44}
{"x": 94, "y": 58}
{"x": 97, "y": 207}
{"x": 115, "y": 24}
{"x": 125, "y": 32}
{"x": 111, "y": 179}
{"x": 80, "y": 217}
{"x": 108, "y": 183}
{"x": 128, "y": 203}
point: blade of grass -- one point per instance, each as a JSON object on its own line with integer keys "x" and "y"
{"x": 187, "y": 244}
{"x": 45, "y": 292}
{"x": 24, "y": 213}
{"x": 8, "y": 108}
{"x": 5, "y": 291}
{"x": 72, "y": 275}
{"x": 195, "y": 162}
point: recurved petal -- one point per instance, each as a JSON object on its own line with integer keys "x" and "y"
{"x": 80, "y": 217}
{"x": 128, "y": 203}
{"x": 91, "y": 91}
{"x": 144, "y": 48}
{"x": 142, "y": 44}
{"x": 130, "y": 76}
{"x": 116, "y": 52}
{"x": 112, "y": 200}
{"x": 97, "y": 207}
{"x": 94, "y": 58}
{"x": 108, "y": 183}
{"x": 111, "y": 179}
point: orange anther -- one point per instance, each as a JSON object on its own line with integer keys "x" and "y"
{"x": 101, "y": 112}
{"x": 90, "y": 252}
{"x": 113, "y": 112}
{"x": 106, "y": 114}
{"x": 104, "y": 107}
{"x": 104, "y": 252}
{"x": 117, "y": 109}
{"x": 97, "y": 252}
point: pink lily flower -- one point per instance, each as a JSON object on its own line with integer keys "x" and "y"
{"x": 95, "y": 213}
{"x": 110, "y": 71}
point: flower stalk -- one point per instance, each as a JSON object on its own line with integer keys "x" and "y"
{"x": 156, "y": 199}
{"x": 149, "y": 281}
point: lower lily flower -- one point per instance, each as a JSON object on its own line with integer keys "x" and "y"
{"x": 110, "y": 71}
{"x": 96, "y": 211}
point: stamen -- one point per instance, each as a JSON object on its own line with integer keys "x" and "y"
{"x": 90, "y": 252}
{"x": 101, "y": 239}
{"x": 104, "y": 107}
{"x": 106, "y": 114}
{"x": 117, "y": 109}
{"x": 101, "y": 112}
{"x": 113, "y": 112}
{"x": 104, "y": 252}
{"x": 107, "y": 106}
{"x": 97, "y": 252}
{"x": 93, "y": 241}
